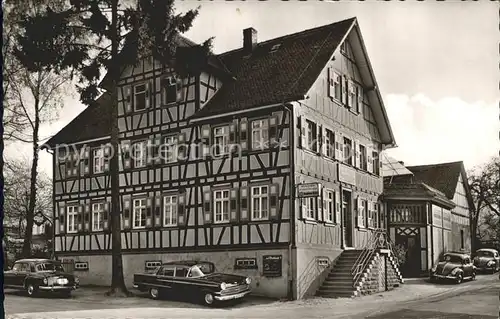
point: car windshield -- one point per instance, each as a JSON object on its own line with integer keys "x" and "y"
{"x": 49, "y": 267}
{"x": 484, "y": 253}
{"x": 452, "y": 259}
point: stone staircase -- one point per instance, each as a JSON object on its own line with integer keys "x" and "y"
{"x": 364, "y": 271}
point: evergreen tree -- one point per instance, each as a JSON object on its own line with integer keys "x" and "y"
{"x": 89, "y": 36}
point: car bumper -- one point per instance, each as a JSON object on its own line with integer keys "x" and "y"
{"x": 485, "y": 268}
{"x": 57, "y": 288}
{"x": 233, "y": 296}
{"x": 443, "y": 276}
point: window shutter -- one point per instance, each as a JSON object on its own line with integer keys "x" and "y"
{"x": 181, "y": 147}
{"x": 273, "y": 131}
{"x": 126, "y": 213}
{"x": 232, "y": 135}
{"x": 244, "y": 204}
{"x": 207, "y": 206}
{"x": 344, "y": 89}
{"x": 157, "y": 212}
{"x": 331, "y": 82}
{"x": 149, "y": 150}
{"x": 148, "y": 94}
{"x": 244, "y": 134}
{"x": 338, "y": 207}
{"x": 319, "y": 139}
{"x": 86, "y": 164}
{"x": 106, "y": 215}
{"x": 79, "y": 218}
{"x": 302, "y": 207}
{"x": 324, "y": 144}
{"x": 369, "y": 215}
{"x": 179, "y": 91}
{"x": 126, "y": 154}
{"x": 339, "y": 146}
{"x": 360, "y": 99}
{"x": 205, "y": 138}
{"x": 181, "y": 209}
{"x": 128, "y": 99}
{"x": 359, "y": 215}
{"x": 369, "y": 158}
{"x": 62, "y": 220}
{"x": 156, "y": 149}
{"x": 233, "y": 204}
{"x": 273, "y": 201}
{"x": 325, "y": 205}
{"x": 357, "y": 153}
{"x": 86, "y": 218}
{"x": 149, "y": 212}
{"x": 303, "y": 132}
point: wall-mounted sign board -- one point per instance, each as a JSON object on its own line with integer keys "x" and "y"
{"x": 151, "y": 265}
{"x": 272, "y": 265}
{"x": 308, "y": 190}
{"x": 245, "y": 263}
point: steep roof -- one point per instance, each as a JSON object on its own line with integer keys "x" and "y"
{"x": 265, "y": 78}
{"x": 443, "y": 176}
{"x": 93, "y": 122}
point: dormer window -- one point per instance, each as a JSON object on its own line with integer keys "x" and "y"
{"x": 275, "y": 48}
{"x": 140, "y": 97}
{"x": 170, "y": 90}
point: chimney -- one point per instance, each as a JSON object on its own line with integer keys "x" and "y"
{"x": 402, "y": 163}
{"x": 249, "y": 39}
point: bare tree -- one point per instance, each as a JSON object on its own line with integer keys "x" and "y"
{"x": 484, "y": 182}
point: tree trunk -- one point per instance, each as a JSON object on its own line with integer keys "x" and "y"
{"x": 117, "y": 280}
{"x": 30, "y": 214}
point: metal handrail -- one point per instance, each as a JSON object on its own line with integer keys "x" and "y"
{"x": 378, "y": 239}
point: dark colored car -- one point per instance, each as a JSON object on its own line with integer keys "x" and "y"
{"x": 193, "y": 279}
{"x": 36, "y": 275}
{"x": 487, "y": 259}
{"x": 454, "y": 266}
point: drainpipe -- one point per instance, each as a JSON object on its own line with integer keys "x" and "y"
{"x": 291, "y": 245}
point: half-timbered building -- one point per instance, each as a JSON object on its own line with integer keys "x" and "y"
{"x": 428, "y": 208}
{"x": 266, "y": 163}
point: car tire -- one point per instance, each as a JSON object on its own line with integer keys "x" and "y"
{"x": 31, "y": 289}
{"x": 459, "y": 279}
{"x": 473, "y": 276}
{"x": 154, "y": 293}
{"x": 208, "y": 299}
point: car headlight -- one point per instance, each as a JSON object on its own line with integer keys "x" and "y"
{"x": 434, "y": 268}
{"x": 454, "y": 271}
{"x": 45, "y": 281}
{"x": 223, "y": 286}
{"x": 490, "y": 263}
{"x": 77, "y": 280}
{"x": 248, "y": 281}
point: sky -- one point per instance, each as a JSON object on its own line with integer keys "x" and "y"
{"x": 436, "y": 64}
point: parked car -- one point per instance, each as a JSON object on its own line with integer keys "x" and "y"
{"x": 487, "y": 259}
{"x": 193, "y": 279}
{"x": 36, "y": 275}
{"x": 456, "y": 266}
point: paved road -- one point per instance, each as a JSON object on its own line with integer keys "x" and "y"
{"x": 478, "y": 299}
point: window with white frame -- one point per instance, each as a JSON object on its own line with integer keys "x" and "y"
{"x": 221, "y": 206}
{"x": 260, "y": 134}
{"x": 72, "y": 212}
{"x": 362, "y": 157}
{"x": 363, "y": 214}
{"x": 337, "y": 86}
{"x": 170, "y": 90}
{"x": 140, "y": 97}
{"x": 139, "y": 213}
{"x": 260, "y": 202}
{"x": 170, "y": 210}
{"x": 139, "y": 154}
{"x": 97, "y": 216}
{"x": 221, "y": 140}
{"x": 311, "y": 136}
{"x": 98, "y": 160}
{"x": 352, "y": 97}
{"x": 330, "y": 144}
{"x": 330, "y": 207}
{"x": 309, "y": 207}
{"x": 169, "y": 149}
{"x": 348, "y": 151}
{"x": 359, "y": 99}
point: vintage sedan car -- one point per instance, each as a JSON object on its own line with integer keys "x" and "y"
{"x": 193, "y": 279}
{"x": 487, "y": 260}
{"x": 37, "y": 275}
{"x": 456, "y": 266}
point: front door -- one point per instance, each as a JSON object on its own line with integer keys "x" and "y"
{"x": 347, "y": 215}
